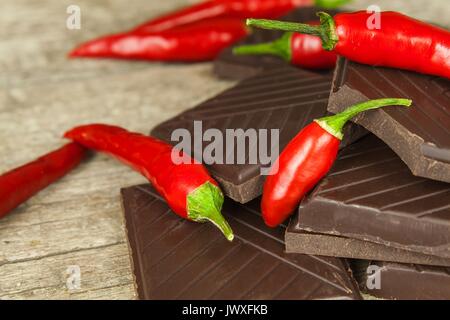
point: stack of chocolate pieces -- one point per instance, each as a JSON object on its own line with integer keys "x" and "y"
{"x": 387, "y": 198}
{"x": 372, "y": 207}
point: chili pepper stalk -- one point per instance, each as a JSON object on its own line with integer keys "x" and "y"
{"x": 186, "y": 186}
{"x": 326, "y": 30}
{"x": 335, "y": 124}
{"x": 330, "y": 4}
{"x": 204, "y": 204}
{"x": 280, "y": 47}
{"x": 306, "y": 160}
{"x": 298, "y": 49}
{"x": 399, "y": 42}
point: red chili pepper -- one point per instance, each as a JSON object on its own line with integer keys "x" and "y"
{"x": 201, "y": 41}
{"x": 306, "y": 160}
{"x": 223, "y": 8}
{"x": 301, "y": 50}
{"x": 20, "y": 184}
{"x": 400, "y": 42}
{"x": 187, "y": 187}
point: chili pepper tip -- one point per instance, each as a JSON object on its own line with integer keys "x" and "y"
{"x": 75, "y": 53}
{"x": 204, "y": 204}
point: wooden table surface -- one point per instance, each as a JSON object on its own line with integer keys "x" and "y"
{"x": 78, "y": 220}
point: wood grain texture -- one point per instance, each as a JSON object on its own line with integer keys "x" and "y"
{"x": 78, "y": 220}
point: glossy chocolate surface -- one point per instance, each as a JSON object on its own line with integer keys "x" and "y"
{"x": 370, "y": 194}
{"x": 420, "y": 135}
{"x": 403, "y": 281}
{"x": 285, "y": 99}
{"x": 173, "y": 258}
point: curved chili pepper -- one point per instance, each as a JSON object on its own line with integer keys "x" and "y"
{"x": 187, "y": 187}
{"x": 201, "y": 41}
{"x": 306, "y": 160}
{"x": 400, "y": 42}
{"x": 233, "y": 9}
{"x": 301, "y": 50}
{"x": 18, "y": 185}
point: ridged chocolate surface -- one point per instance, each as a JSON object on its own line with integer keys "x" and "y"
{"x": 229, "y": 66}
{"x": 177, "y": 259}
{"x": 284, "y": 98}
{"x": 370, "y": 194}
{"x": 405, "y": 281}
{"x": 420, "y": 135}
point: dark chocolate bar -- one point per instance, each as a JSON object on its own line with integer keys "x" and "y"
{"x": 284, "y": 98}
{"x": 403, "y": 281}
{"x": 174, "y": 258}
{"x": 420, "y": 135}
{"x": 230, "y": 66}
{"x": 371, "y": 195}
{"x": 343, "y": 247}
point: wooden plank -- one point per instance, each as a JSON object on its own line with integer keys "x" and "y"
{"x": 104, "y": 273}
{"x": 35, "y": 39}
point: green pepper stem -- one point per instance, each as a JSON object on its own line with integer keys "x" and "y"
{"x": 284, "y": 26}
{"x": 280, "y": 48}
{"x": 326, "y": 30}
{"x": 335, "y": 124}
{"x": 330, "y": 4}
{"x": 204, "y": 204}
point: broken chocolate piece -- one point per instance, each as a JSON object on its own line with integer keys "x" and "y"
{"x": 230, "y": 66}
{"x": 284, "y": 99}
{"x": 174, "y": 258}
{"x": 298, "y": 241}
{"x": 371, "y": 195}
{"x": 387, "y": 280}
{"x": 420, "y": 135}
